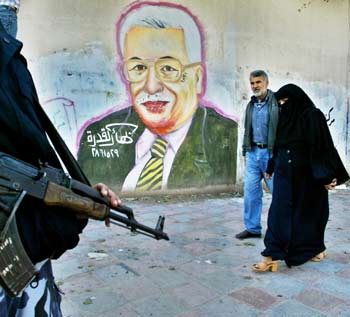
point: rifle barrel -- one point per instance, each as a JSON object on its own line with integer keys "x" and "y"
{"x": 156, "y": 233}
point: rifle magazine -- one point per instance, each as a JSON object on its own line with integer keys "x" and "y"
{"x": 16, "y": 268}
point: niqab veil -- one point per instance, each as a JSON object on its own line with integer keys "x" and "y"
{"x": 290, "y": 129}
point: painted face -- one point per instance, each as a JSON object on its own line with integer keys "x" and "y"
{"x": 259, "y": 86}
{"x": 164, "y": 86}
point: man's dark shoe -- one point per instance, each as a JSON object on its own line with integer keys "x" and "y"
{"x": 246, "y": 234}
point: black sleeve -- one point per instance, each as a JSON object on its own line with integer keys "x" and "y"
{"x": 324, "y": 158}
{"x": 271, "y": 163}
{"x": 270, "y": 166}
{"x": 47, "y": 232}
{"x": 244, "y": 146}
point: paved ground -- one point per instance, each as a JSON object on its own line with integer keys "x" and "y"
{"x": 203, "y": 270}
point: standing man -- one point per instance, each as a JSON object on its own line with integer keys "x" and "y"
{"x": 260, "y": 126}
{"x": 45, "y": 232}
{"x": 8, "y": 15}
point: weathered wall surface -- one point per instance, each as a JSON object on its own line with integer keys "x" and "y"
{"x": 71, "y": 50}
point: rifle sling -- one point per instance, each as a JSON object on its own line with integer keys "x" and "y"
{"x": 61, "y": 148}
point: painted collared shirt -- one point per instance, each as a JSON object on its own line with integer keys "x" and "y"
{"x": 260, "y": 121}
{"x": 143, "y": 154}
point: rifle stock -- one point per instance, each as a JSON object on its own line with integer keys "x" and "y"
{"x": 57, "y": 195}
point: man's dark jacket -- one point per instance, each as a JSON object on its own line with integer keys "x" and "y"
{"x": 207, "y": 156}
{"x": 45, "y": 232}
{"x": 273, "y": 122}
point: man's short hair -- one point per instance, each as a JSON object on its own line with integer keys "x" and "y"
{"x": 259, "y": 73}
{"x": 162, "y": 17}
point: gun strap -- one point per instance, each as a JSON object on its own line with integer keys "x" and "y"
{"x": 61, "y": 148}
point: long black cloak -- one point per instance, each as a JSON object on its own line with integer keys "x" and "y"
{"x": 305, "y": 160}
{"x": 45, "y": 232}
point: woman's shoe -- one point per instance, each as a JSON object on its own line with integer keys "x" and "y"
{"x": 266, "y": 265}
{"x": 319, "y": 257}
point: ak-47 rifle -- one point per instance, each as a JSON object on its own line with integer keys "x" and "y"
{"x": 55, "y": 188}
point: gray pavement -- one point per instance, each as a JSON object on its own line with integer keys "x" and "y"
{"x": 203, "y": 270}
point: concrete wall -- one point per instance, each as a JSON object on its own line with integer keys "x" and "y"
{"x": 71, "y": 50}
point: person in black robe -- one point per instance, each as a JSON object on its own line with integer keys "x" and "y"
{"x": 46, "y": 232}
{"x": 306, "y": 165}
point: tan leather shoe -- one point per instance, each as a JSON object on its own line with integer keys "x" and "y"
{"x": 266, "y": 265}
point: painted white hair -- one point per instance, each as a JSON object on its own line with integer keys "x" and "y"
{"x": 162, "y": 17}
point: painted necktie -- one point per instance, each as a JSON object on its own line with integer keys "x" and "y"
{"x": 152, "y": 174}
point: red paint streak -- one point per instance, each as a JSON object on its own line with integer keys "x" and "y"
{"x": 162, "y": 127}
{"x": 66, "y": 103}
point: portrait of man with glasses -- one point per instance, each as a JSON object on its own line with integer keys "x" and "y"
{"x": 165, "y": 139}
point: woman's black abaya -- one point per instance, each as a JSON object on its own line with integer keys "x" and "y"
{"x": 304, "y": 161}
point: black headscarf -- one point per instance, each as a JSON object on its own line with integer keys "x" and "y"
{"x": 290, "y": 131}
{"x": 301, "y": 124}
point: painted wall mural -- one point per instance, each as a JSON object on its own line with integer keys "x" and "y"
{"x": 167, "y": 136}
{"x": 174, "y": 77}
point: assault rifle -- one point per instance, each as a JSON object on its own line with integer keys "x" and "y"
{"x": 56, "y": 188}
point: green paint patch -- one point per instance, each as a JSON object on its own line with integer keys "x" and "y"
{"x": 87, "y": 301}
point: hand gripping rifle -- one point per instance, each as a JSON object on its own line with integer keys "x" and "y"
{"x": 54, "y": 188}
